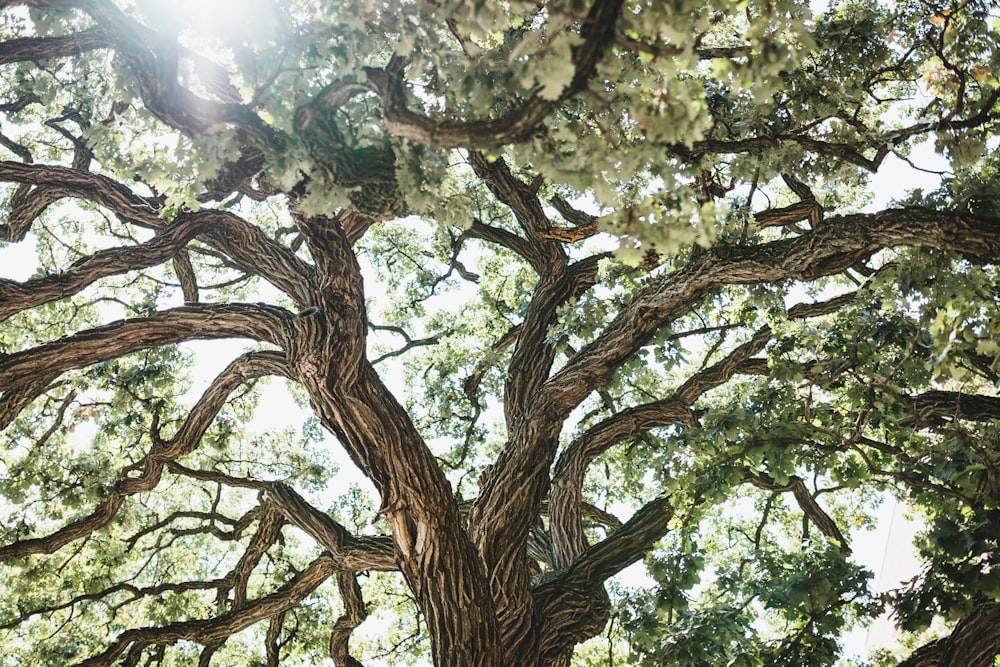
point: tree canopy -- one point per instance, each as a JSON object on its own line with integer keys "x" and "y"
{"x": 574, "y": 285}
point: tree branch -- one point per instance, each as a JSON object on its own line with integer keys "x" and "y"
{"x": 567, "y": 480}
{"x": 152, "y": 57}
{"x": 584, "y": 224}
{"x": 974, "y": 642}
{"x": 354, "y": 614}
{"x": 351, "y": 553}
{"x": 835, "y": 245}
{"x": 16, "y": 297}
{"x": 202, "y": 322}
{"x": 502, "y": 237}
{"x": 69, "y": 182}
{"x": 572, "y": 600}
{"x": 515, "y": 484}
{"x": 16, "y": 398}
{"x": 516, "y": 125}
{"x": 937, "y": 407}
{"x": 269, "y": 524}
{"x": 41, "y": 48}
{"x": 251, "y": 249}
{"x": 249, "y": 366}
{"x": 806, "y": 502}
{"x": 207, "y": 631}
{"x": 186, "y": 275}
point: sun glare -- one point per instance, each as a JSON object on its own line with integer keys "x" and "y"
{"x": 229, "y": 22}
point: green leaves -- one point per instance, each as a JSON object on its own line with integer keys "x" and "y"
{"x": 554, "y": 70}
{"x": 612, "y": 296}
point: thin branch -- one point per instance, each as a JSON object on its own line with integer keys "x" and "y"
{"x": 249, "y": 366}
{"x": 411, "y": 343}
{"x": 354, "y": 614}
{"x": 210, "y": 630}
{"x": 806, "y": 501}
{"x": 186, "y": 276}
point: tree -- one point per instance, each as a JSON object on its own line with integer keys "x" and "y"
{"x": 626, "y": 257}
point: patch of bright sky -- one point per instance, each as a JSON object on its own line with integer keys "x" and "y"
{"x": 922, "y": 170}
{"x": 224, "y": 19}
{"x": 17, "y": 260}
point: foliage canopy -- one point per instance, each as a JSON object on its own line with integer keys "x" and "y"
{"x": 623, "y": 269}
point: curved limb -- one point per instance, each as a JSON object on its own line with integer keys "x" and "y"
{"x": 247, "y": 367}
{"x": 514, "y": 126}
{"x": 210, "y": 630}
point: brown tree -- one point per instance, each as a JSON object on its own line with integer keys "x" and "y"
{"x": 181, "y": 183}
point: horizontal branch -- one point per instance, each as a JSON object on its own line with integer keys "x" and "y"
{"x": 201, "y": 322}
{"x": 517, "y": 124}
{"x": 848, "y": 152}
{"x": 248, "y": 246}
{"x": 805, "y": 310}
{"x": 664, "y": 51}
{"x": 789, "y": 215}
{"x": 16, "y": 297}
{"x": 134, "y": 592}
{"x": 100, "y": 189}
{"x": 830, "y": 248}
{"x": 41, "y": 48}
{"x": 936, "y": 407}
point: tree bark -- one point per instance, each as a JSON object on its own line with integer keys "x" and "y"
{"x": 974, "y": 642}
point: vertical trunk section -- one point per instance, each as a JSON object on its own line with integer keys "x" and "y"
{"x": 434, "y": 554}
{"x": 433, "y": 551}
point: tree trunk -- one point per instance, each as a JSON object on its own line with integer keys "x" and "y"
{"x": 975, "y": 642}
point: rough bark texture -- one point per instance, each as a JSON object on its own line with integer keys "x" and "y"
{"x": 975, "y": 642}
{"x": 493, "y": 583}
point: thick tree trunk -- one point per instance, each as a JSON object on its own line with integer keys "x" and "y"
{"x": 975, "y": 642}
{"x": 432, "y": 549}
{"x": 433, "y": 552}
